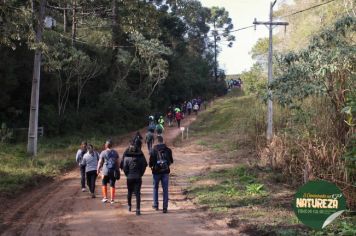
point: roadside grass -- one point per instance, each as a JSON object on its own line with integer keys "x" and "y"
{"x": 19, "y": 171}
{"x": 234, "y": 187}
{"x": 256, "y": 199}
{"x": 229, "y": 123}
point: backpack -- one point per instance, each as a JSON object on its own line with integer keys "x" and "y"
{"x": 162, "y": 163}
{"x": 111, "y": 160}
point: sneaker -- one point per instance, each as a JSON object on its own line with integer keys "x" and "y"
{"x": 112, "y": 202}
{"x": 104, "y": 200}
{"x": 155, "y": 207}
{"x": 129, "y": 208}
{"x": 138, "y": 212}
{"x": 165, "y": 210}
{"x": 84, "y": 190}
{"x": 93, "y": 195}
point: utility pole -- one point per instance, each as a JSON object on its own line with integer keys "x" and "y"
{"x": 270, "y": 24}
{"x": 74, "y": 21}
{"x": 35, "y": 92}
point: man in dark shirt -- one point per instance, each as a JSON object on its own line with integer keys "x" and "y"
{"x": 160, "y": 161}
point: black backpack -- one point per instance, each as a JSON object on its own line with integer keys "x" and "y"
{"x": 162, "y": 163}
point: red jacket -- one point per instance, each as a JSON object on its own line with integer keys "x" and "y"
{"x": 179, "y": 116}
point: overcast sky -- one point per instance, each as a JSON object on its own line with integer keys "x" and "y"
{"x": 236, "y": 59}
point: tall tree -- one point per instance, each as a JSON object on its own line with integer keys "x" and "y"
{"x": 222, "y": 25}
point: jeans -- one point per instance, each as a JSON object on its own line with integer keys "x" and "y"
{"x": 134, "y": 186}
{"x": 82, "y": 176}
{"x": 164, "y": 178}
{"x": 91, "y": 178}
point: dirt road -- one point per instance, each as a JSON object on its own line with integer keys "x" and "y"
{"x": 60, "y": 208}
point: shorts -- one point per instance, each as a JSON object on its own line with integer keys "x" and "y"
{"x": 110, "y": 178}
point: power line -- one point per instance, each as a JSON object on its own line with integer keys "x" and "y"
{"x": 307, "y": 9}
{"x": 243, "y": 28}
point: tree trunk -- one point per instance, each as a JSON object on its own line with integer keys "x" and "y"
{"x": 34, "y": 107}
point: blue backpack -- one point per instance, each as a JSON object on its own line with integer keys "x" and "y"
{"x": 111, "y": 160}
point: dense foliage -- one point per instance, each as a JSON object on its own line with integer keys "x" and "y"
{"x": 314, "y": 92}
{"x": 107, "y": 62}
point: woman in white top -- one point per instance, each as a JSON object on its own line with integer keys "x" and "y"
{"x": 90, "y": 161}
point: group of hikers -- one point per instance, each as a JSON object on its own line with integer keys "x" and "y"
{"x": 133, "y": 163}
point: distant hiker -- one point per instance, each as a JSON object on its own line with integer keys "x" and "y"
{"x": 156, "y": 117}
{"x": 184, "y": 108}
{"x": 160, "y": 160}
{"x": 150, "y": 139}
{"x": 196, "y": 108}
{"x": 159, "y": 129}
{"x": 138, "y": 140}
{"x": 179, "y": 117}
{"x": 170, "y": 118}
{"x": 151, "y": 121}
{"x": 109, "y": 162}
{"x": 78, "y": 158}
{"x": 189, "y": 107}
{"x": 134, "y": 167}
{"x": 161, "y": 120}
{"x": 90, "y": 161}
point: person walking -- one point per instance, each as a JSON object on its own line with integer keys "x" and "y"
{"x": 90, "y": 161}
{"x": 79, "y": 158}
{"x": 179, "y": 117}
{"x": 159, "y": 129}
{"x": 189, "y": 107}
{"x": 161, "y": 120}
{"x": 170, "y": 118}
{"x": 196, "y": 108}
{"x": 134, "y": 168}
{"x": 109, "y": 163}
{"x": 138, "y": 140}
{"x": 149, "y": 140}
{"x": 160, "y": 160}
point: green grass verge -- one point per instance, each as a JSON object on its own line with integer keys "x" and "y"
{"x": 227, "y": 188}
{"x": 19, "y": 171}
{"x": 220, "y": 126}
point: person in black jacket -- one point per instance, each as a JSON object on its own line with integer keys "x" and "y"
{"x": 160, "y": 161}
{"x": 134, "y": 166}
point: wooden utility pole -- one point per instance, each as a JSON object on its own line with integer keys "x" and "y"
{"x": 270, "y": 24}
{"x": 35, "y": 92}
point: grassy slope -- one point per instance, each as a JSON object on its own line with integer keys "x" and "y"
{"x": 244, "y": 192}
{"x": 19, "y": 171}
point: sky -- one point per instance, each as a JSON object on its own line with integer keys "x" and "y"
{"x": 237, "y": 59}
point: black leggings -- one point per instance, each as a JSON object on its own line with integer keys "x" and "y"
{"x": 91, "y": 178}
{"x": 134, "y": 186}
{"x": 82, "y": 176}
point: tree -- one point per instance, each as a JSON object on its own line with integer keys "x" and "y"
{"x": 155, "y": 67}
{"x": 324, "y": 68}
{"x": 222, "y": 25}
